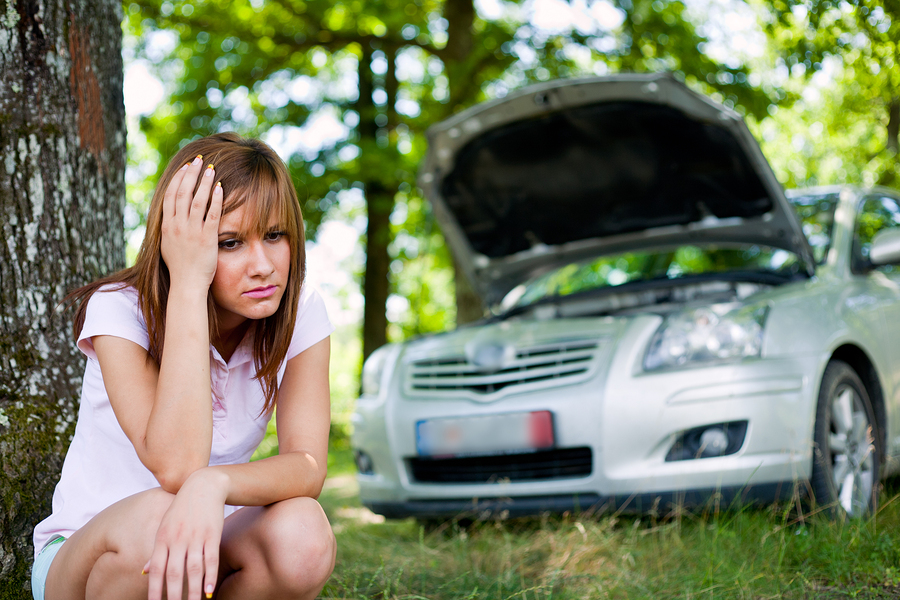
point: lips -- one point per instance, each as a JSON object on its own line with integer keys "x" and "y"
{"x": 261, "y": 292}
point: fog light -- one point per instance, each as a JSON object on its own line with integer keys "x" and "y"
{"x": 363, "y": 462}
{"x": 708, "y": 441}
{"x": 713, "y": 442}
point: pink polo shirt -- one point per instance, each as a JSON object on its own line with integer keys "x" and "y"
{"x": 102, "y": 467}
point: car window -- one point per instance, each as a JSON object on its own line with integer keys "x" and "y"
{"x": 675, "y": 263}
{"x": 876, "y": 212}
{"x": 816, "y": 214}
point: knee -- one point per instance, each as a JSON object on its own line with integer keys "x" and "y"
{"x": 301, "y": 546}
{"x": 127, "y": 534}
{"x": 154, "y": 504}
{"x": 140, "y": 519}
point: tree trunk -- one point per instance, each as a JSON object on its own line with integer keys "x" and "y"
{"x": 888, "y": 177}
{"x": 460, "y": 15}
{"x": 893, "y": 126}
{"x": 469, "y": 306}
{"x": 62, "y": 193}
{"x": 379, "y": 205}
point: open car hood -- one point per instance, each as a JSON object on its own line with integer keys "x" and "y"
{"x": 573, "y": 169}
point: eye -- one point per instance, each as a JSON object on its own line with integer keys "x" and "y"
{"x": 274, "y": 236}
{"x": 229, "y": 244}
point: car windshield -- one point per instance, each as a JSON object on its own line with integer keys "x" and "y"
{"x": 737, "y": 262}
{"x": 816, "y": 212}
{"x": 750, "y": 262}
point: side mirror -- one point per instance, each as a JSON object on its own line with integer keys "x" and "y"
{"x": 885, "y": 249}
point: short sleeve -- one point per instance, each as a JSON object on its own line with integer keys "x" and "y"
{"x": 312, "y": 323}
{"x": 113, "y": 312}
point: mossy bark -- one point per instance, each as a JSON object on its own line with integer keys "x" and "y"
{"x": 62, "y": 191}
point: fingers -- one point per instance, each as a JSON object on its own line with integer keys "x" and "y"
{"x": 175, "y": 574}
{"x": 156, "y": 569}
{"x": 199, "y": 565}
{"x": 183, "y": 192}
{"x": 215, "y": 209}
{"x": 201, "y": 198}
{"x": 194, "y": 571}
{"x": 171, "y": 189}
{"x": 181, "y": 200}
{"x": 211, "y": 560}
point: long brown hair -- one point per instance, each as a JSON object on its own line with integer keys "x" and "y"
{"x": 253, "y": 175}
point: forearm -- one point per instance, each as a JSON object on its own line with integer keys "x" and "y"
{"x": 289, "y": 475}
{"x": 179, "y": 430}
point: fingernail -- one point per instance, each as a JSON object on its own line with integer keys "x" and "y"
{"x": 185, "y": 166}
{"x": 209, "y": 590}
{"x": 199, "y": 159}
{"x": 208, "y": 595}
{"x": 143, "y": 571}
{"x": 209, "y": 171}
{"x": 218, "y": 186}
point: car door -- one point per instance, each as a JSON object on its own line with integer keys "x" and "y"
{"x": 879, "y": 211}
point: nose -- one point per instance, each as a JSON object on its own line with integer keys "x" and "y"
{"x": 260, "y": 264}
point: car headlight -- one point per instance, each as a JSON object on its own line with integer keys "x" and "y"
{"x": 721, "y": 332}
{"x": 373, "y": 370}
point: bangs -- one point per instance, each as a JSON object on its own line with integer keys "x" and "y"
{"x": 265, "y": 199}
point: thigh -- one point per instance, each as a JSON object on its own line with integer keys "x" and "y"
{"x": 105, "y": 557}
{"x": 284, "y": 550}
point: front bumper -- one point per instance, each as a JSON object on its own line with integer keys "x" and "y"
{"x": 629, "y": 420}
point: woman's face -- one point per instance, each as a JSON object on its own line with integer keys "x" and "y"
{"x": 251, "y": 273}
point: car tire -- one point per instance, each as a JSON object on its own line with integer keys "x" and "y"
{"x": 846, "y": 450}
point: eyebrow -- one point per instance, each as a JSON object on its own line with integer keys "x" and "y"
{"x": 276, "y": 227}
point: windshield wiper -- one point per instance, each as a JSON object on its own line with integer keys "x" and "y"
{"x": 658, "y": 282}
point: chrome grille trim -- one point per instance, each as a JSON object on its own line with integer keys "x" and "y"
{"x": 548, "y": 364}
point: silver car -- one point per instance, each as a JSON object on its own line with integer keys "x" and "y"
{"x": 666, "y": 326}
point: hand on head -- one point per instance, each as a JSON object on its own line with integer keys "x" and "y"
{"x": 189, "y": 242}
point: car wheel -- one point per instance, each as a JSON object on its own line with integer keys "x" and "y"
{"x": 846, "y": 451}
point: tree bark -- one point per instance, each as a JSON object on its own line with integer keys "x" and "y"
{"x": 62, "y": 194}
{"x": 460, "y": 15}
{"x": 893, "y": 126}
{"x": 379, "y": 205}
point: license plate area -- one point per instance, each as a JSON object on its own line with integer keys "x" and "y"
{"x": 504, "y": 433}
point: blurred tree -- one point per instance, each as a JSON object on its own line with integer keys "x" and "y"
{"x": 379, "y": 73}
{"x": 854, "y": 42}
{"x": 62, "y": 139}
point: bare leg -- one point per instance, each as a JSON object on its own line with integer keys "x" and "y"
{"x": 104, "y": 558}
{"x": 282, "y": 551}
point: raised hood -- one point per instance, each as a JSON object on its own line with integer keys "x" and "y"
{"x": 576, "y": 168}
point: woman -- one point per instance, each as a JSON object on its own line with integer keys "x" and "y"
{"x": 188, "y": 352}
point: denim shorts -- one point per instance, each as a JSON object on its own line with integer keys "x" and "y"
{"x": 42, "y": 567}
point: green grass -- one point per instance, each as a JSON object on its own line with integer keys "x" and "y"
{"x": 770, "y": 552}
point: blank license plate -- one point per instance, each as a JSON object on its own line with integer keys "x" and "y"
{"x": 486, "y": 434}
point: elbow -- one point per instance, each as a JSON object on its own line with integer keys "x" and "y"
{"x": 170, "y": 469}
{"x": 172, "y": 477}
{"x": 171, "y": 480}
{"x": 318, "y": 482}
{"x": 318, "y": 486}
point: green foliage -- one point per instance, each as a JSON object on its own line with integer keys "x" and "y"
{"x": 423, "y": 268}
{"x": 850, "y": 131}
{"x": 270, "y": 67}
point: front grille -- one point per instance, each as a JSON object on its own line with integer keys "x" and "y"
{"x": 562, "y": 463}
{"x": 549, "y": 363}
